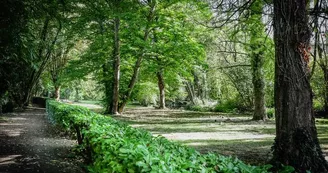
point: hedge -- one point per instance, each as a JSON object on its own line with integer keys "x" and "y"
{"x": 113, "y": 146}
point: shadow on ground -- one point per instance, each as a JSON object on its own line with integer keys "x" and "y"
{"x": 227, "y": 134}
{"x": 30, "y": 144}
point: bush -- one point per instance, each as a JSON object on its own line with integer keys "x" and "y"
{"x": 146, "y": 93}
{"x": 270, "y": 112}
{"x": 117, "y": 147}
{"x": 318, "y": 105}
{"x": 199, "y": 108}
{"x": 227, "y": 106}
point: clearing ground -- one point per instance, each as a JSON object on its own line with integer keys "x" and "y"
{"x": 227, "y": 134}
{"x": 29, "y": 144}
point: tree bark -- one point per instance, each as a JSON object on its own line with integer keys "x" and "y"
{"x": 161, "y": 87}
{"x": 190, "y": 92}
{"x": 116, "y": 66}
{"x": 57, "y": 93}
{"x": 296, "y": 142}
{"x": 44, "y": 59}
{"x": 325, "y": 74}
{"x": 257, "y": 53}
{"x": 133, "y": 79}
{"x": 258, "y": 87}
{"x": 108, "y": 84}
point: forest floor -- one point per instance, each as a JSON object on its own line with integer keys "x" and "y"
{"x": 29, "y": 144}
{"x": 227, "y": 134}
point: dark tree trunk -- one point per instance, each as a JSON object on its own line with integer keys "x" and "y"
{"x": 132, "y": 83}
{"x": 161, "y": 87}
{"x": 190, "y": 92}
{"x": 57, "y": 93}
{"x": 325, "y": 73}
{"x": 296, "y": 142}
{"x": 77, "y": 94}
{"x": 324, "y": 67}
{"x": 108, "y": 84}
{"x": 116, "y": 66}
{"x": 44, "y": 57}
{"x": 1, "y": 103}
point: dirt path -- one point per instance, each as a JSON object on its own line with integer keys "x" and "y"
{"x": 29, "y": 144}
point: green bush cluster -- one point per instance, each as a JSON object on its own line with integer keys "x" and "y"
{"x": 229, "y": 106}
{"x": 117, "y": 147}
{"x": 270, "y": 112}
{"x": 199, "y": 108}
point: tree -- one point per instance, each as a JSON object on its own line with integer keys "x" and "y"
{"x": 151, "y": 7}
{"x": 117, "y": 58}
{"x": 320, "y": 53}
{"x": 59, "y": 59}
{"x": 257, "y": 52}
{"x": 296, "y": 141}
{"x": 13, "y": 65}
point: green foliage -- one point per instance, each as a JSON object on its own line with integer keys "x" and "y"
{"x": 270, "y": 112}
{"x": 317, "y": 105}
{"x": 199, "y": 108}
{"x": 228, "y": 106}
{"x": 318, "y": 83}
{"x": 146, "y": 93}
{"x": 117, "y": 147}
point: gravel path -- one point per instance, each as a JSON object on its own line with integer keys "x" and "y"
{"x": 29, "y": 144}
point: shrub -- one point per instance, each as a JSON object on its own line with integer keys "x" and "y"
{"x": 270, "y": 112}
{"x": 227, "y": 106}
{"x": 317, "y": 105}
{"x": 199, "y": 108}
{"x": 146, "y": 93}
{"x": 114, "y": 146}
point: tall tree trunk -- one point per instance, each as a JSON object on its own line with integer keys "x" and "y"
{"x": 43, "y": 57}
{"x": 116, "y": 66}
{"x": 1, "y": 103}
{"x": 325, "y": 73}
{"x": 257, "y": 51}
{"x": 296, "y": 142}
{"x": 57, "y": 93}
{"x": 190, "y": 92}
{"x": 258, "y": 87}
{"x": 132, "y": 83}
{"x": 77, "y": 94}
{"x": 136, "y": 68}
{"x": 108, "y": 84}
{"x": 161, "y": 87}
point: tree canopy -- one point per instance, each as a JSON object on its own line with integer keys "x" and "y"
{"x": 206, "y": 55}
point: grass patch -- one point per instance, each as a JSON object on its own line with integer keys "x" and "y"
{"x": 218, "y": 131}
{"x": 3, "y": 119}
{"x": 95, "y": 102}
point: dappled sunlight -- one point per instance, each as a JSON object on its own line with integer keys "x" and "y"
{"x": 11, "y": 128}
{"x": 215, "y": 136}
{"x": 28, "y": 144}
{"x": 11, "y": 132}
{"x": 52, "y": 142}
{"x": 88, "y": 105}
{"x": 18, "y": 118}
{"x": 10, "y": 124}
{"x": 8, "y": 159}
{"x": 221, "y": 133}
